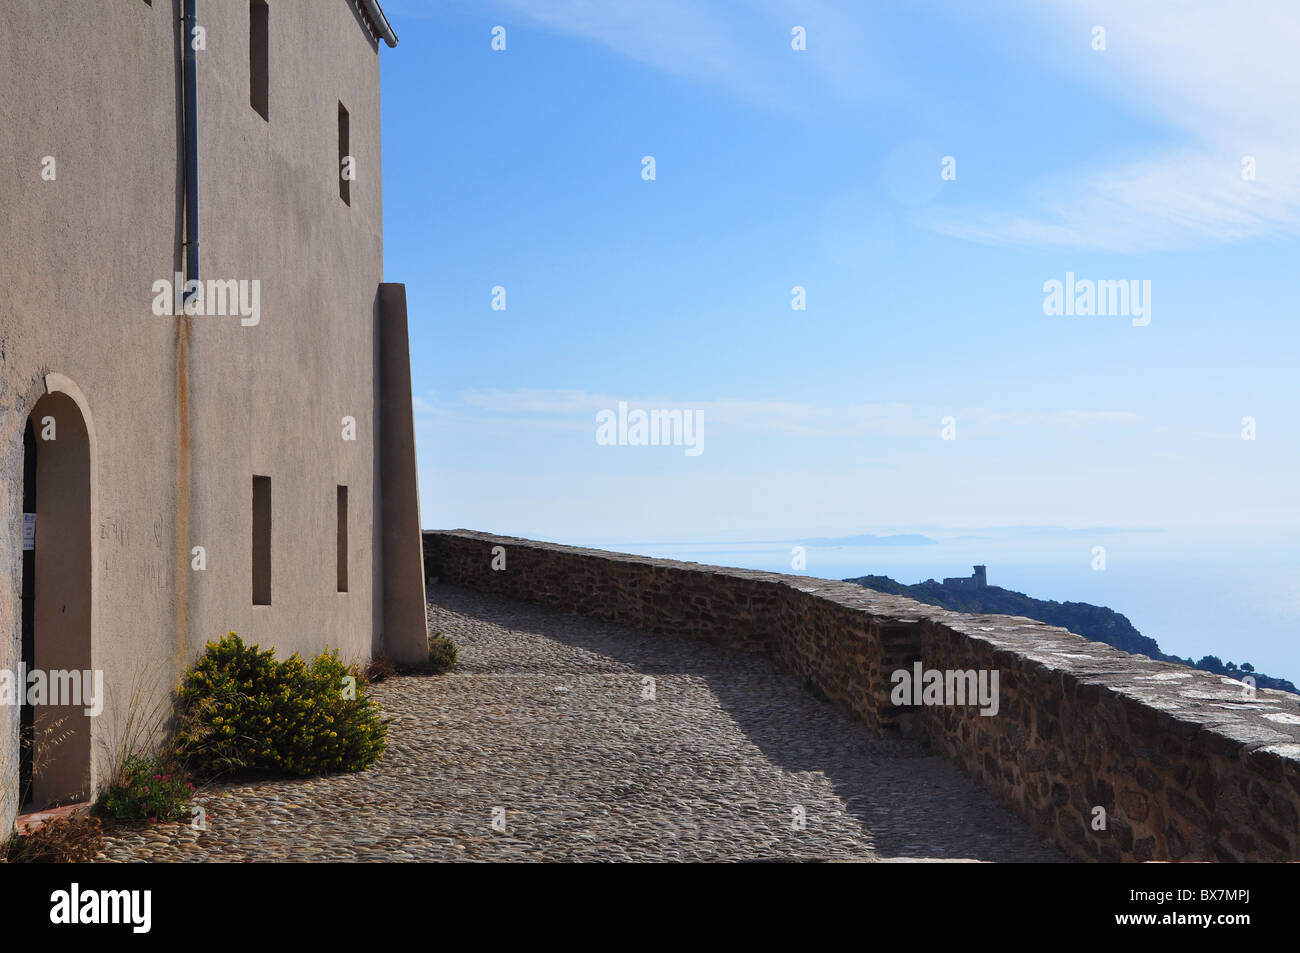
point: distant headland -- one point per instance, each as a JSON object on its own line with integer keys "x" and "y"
{"x": 973, "y": 594}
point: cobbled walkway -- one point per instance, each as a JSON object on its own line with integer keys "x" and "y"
{"x": 591, "y": 741}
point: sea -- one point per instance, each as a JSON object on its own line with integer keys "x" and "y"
{"x": 1194, "y": 594}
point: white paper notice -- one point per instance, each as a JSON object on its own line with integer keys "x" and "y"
{"x": 29, "y": 531}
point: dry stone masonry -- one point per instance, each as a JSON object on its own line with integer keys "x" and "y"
{"x": 1113, "y": 756}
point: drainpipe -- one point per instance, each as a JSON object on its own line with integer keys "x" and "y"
{"x": 191, "y": 146}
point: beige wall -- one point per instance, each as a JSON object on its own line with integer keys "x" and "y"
{"x": 402, "y": 549}
{"x": 186, "y": 409}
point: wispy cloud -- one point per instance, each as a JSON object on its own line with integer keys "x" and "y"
{"x": 1171, "y": 202}
{"x": 995, "y": 420}
{"x": 1224, "y": 76}
{"x": 576, "y": 410}
{"x": 741, "y": 47}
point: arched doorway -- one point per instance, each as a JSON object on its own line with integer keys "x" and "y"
{"x": 56, "y": 610}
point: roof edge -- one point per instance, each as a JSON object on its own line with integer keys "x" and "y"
{"x": 378, "y": 21}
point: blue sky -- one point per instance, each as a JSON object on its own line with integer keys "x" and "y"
{"x": 821, "y": 168}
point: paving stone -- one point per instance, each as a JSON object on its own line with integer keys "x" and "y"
{"x": 711, "y": 768}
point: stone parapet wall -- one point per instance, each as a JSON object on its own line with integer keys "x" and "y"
{"x": 1184, "y": 764}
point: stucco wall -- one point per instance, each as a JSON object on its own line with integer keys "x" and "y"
{"x": 1183, "y": 763}
{"x": 405, "y": 636}
{"x": 187, "y": 409}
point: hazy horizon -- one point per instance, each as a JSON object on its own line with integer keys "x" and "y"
{"x": 1145, "y": 585}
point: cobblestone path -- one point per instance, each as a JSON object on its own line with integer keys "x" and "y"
{"x": 547, "y": 726}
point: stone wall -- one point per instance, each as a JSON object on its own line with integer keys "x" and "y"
{"x": 1184, "y": 764}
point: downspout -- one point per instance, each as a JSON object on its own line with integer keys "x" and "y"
{"x": 191, "y": 146}
{"x": 182, "y": 580}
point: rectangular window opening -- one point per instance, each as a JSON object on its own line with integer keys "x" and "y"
{"x": 261, "y": 541}
{"x": 345, "y": 158}
{"x": 259, "y": 80}
{"x": 343, "y": 538}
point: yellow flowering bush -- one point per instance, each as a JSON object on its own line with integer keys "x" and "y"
{"x": 244, "y": 711}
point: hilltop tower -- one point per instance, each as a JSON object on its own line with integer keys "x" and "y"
{"x": 976, "y": 580}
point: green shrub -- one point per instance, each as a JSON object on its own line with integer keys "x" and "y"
{"x": 442, "y": 654}
{"x": 244, "y": 711}
{"x": 441, "y": 658}
{"x": 147, "y": 788}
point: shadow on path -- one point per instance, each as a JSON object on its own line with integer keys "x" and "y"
{"x": 913, "y": 804}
